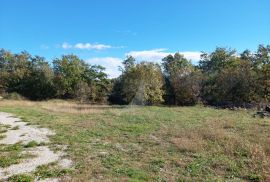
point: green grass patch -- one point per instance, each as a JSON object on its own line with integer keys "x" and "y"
{"x": 2, "y": 136}
{"x": 21, "y": 178}
{"x": 11, "y": 154}
{"x": 15, "y": 128}
{"x": 50, "y": 171}
{"x": 31, "y": 144}
{"x": 155, "y": 143}
{"x": 3, "y": 128}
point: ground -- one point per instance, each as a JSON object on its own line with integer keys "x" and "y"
{"x": 113, "y": 143}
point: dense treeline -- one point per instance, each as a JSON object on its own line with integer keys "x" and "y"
{"x": 222, "y": 77}
{"x": 68, "y": 78}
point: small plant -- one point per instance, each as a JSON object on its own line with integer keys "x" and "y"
{"x": 7, "y": 161}
{"x": 156, "y": 165}
{"x": 10, "y": 154}
{"x": 255, "y": 178}
{"x": 2, "y": 136}
{"x": 50, "y": 171}
{"x": 3, "y": 128}
{"x": 15, "y": 128}
{"x": 21, "y": 178}
{"x": 31, "y": 144}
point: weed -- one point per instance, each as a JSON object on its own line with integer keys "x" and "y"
{"x": 21, "y": 178}
{"x": 50, "y": 171}
{"x": 31, "y": 144}
{"x": 15, "y": 128}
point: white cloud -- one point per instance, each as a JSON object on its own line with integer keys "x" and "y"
{"x": 110, "y": 63}
{"x": 88, "y": 46}
{"x": 156, "y": 55}
{"x": 193, "y": 56}
{"x": 66, "y": 45}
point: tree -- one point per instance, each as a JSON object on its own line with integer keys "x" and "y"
{"x": 68, "y": 72}
{"x": 72, "y": 73}
{"x": 217, "y": 60}
{"x": 116, "y": 95}
{"x": 262, "y": 67}
{"x": 14, "y": 71}
{"x": 143, "y": 84}
{"x": 39, "y": 84}
{"x": 229, "y": 78}
{"x": 98, "y": 83}
{"x": 128, "y": 63}
{"x": 183, "y": 80}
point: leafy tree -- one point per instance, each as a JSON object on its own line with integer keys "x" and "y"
{"x": 72, "y": 73}
{"x": 233, "y": 85}
{"x": 129, "y": 63}
{"x": 262, "y": 67}
{"x": 143, "y": 84}
{"x": 68, "y": 72}
{"x": 217, "y": 60}
{"x": 230, "y": 79}
{"x": 98, "y": 82}
{"x": 116, "y": 95}
{"x": 14, "y": 71}
{"x": 39, "y": 84}
{"x": 183, "y": 80}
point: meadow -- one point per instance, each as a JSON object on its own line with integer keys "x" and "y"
{"x": 150, "y": 143}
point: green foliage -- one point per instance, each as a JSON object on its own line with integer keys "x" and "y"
{"x": 230, "y": 79}
{"x": 50, "y": 171}
{"x": 26, "y": 75}
{"x": 219, "y": 59}
{"x": 76, "y": 79}
{"x": 234, "y": 85}
{"x": 255, "y": 178}
{"x": 31, "y": 144}
{"x": 34, "y": 78}
{"x": 116, "y": 95}
{"x": 40, "y": 84}
{"x": 143, "y": 84}
{"x": 11, "y": 154}
{"x": 68, "y": 72}
{"x": 223, "y": 77}
{"x": 21, "y": 178}
{"x": 183, "y": 80}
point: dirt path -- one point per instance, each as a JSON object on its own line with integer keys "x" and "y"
{"x": 19, "y": 131}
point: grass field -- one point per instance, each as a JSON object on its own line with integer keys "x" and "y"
{"x": 153, "y": 143}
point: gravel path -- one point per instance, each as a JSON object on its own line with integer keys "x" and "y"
{"x": 25, "y": 133}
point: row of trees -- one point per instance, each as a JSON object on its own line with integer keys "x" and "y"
{"x": 69, "y": 77}
{"x": 222, "y": 77}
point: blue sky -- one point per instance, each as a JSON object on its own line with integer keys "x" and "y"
{"x": 105, "y": 31}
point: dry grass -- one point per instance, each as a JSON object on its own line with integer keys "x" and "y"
{"x": 17, "y": 103}
{"x": 60, "y": 106}
{"x": 188, "y": 144}
{"x": 73, "y": 108}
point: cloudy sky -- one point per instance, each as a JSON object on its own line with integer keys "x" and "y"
{"x": 104, "y": 32}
